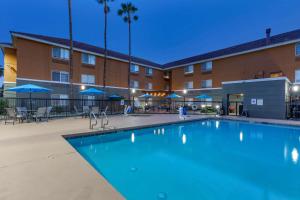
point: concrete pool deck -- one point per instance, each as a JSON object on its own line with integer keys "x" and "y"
{"x": 37, "y": 163}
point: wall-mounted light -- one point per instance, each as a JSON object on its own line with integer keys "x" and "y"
{"x": 82, "y": 87}
{"x": 295, "y": 88}
{"x": 133, "y": 90}
{"x": 184, "y": 91}
{"x": 217, "y": 106}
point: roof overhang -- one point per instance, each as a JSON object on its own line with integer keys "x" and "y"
{"x": 257, "y": 80}
{"x": 77, "y": 49}
{"x": 236, "y": 54}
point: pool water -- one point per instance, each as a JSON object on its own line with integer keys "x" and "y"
{"x": 211, "y": 159}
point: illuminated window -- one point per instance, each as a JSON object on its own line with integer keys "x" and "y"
{"x": 189, "y": 69}
{"x": 297, "y": 49}
{"x": 206, "y": 67}
{"x": 134, "y": 68}
{"x": 87, "y": 79}
{"x": 88, "y": 59}
{"x": 188, "y": 85}
{"x": 206, "y": 83}
{"x": 276, "y": 74}
{"x": 60, "y": 53}
{"x": 297, "y": 76}
{"x": 149, "y": 86}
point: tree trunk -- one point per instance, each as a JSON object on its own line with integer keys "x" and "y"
{"x": 71, "y": 48}
{"x": 105, "y": 43}
{"x": 129, "y": 63}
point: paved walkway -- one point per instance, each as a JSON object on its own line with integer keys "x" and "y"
{"x": 37, "y": 163}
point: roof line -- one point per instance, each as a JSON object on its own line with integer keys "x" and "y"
{"x": 17, "y": 34}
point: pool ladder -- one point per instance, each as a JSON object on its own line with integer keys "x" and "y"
{"x": 104, "y": 120}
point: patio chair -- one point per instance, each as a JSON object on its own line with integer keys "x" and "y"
{"x": 85, "y": 111}
{"x": 48, "y": 111}
{"x": 96, "y": 110}
{"x": 40, "y": 113}
{"x": 22, "y": 113}
{"x": 10, "y": 115}
{"x": 77, "y": 113}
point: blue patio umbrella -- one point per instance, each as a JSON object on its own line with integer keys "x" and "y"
{"x": 146, "y": 96}
{"x": 29, "y": 88}
{"x": 114, "y": 96}
{"x": 203, "y": 96}
{"x": 91, "y": 91}
{"x": 173, "y": 96}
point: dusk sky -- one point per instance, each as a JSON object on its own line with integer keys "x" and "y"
{"x": 167, "y": 29}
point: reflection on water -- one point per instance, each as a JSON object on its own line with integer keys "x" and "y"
{"x": 132, "y": 138}
{"x": 241, "y": 136}
{"x": 295, "y": 155}
{"x": 183, "y": 138}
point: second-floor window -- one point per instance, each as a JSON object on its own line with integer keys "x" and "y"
{"x": 206, "y": 67}
{"x": 60, "y": 76}
{"x": 87, "y": 79}
{"x": 134, "y": 69}
{"x": 134, "y": 84}
{"x": 189, "y": 69}
{"x": 88, "y": 59}
{"x": 60, "y": 53}
{"x": 297, "y": 49}
{"x": 149, "y": 86}
{"x": 188, "y": 85}
{"x": 206, "y": 83}
{"x": 149, "y": 71}
{"x": 297, "y": 76}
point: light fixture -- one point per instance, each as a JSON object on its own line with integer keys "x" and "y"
{"x": 203, "y": 106}
{"x": 295, "y": 88}
{"x": 133, "y": 90}
{"x": 217, "y": 106}
{"x": 184, "y": 91}
{"x": 82, "y": 87}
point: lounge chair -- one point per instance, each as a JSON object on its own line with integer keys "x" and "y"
{"x": 77, "y": 113}
{"x": 10, "y": 115}
{"x": 96, "y": 111}
{"x": 85, "y": 111}
{"x": 22, "y": 113}
{"x": 48, "y": 111}
{"x": 40, "y": 113}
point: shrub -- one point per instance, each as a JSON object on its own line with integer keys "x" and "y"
{"x": 3, "y": 105}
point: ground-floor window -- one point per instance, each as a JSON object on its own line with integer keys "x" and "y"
{"x": 59, "y": 99}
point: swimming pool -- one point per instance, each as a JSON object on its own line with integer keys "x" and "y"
{"x": 210, "y": 159}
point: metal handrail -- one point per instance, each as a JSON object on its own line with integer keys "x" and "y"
{"x": 92, "y": 115}
{"x": 104, "y": 116}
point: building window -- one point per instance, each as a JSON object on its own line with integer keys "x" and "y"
{"x": 206, "y": 84}
{"x": 189, "y": 69}
{"x": 134, "y": 69}
{"x": 206, "y": 67}
{"x": 59, "y": 99}
{"x": 88, "y": 79}
{"x": 276, "y": 74}
{"x": 297, "y": 49}
{"x": 188, "y": 85}
{"x": 297, "y": 76}
{"x": 134, "y": 84}
{"x": 149, "y": 86}
{"x": 60, "y": 53}
{"x": 149, "y": 71}
{"x": 88, "y": 59}
{"x": 60, "y": 76}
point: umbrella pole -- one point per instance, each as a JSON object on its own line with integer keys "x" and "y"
{"x": 30, "y": 102}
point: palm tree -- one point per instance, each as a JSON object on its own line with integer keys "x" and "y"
{"x": 71, "y": 46}
{"x": 127, "y": 12}
{"x": 106, "y": 11}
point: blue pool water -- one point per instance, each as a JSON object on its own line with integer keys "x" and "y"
{"x": 199, "y": 160}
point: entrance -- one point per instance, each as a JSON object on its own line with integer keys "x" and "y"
{"x": 235, "y": 104}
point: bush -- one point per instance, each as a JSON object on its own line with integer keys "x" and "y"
{"x": 3, "y": 105}
{"x": 58, "y": 109}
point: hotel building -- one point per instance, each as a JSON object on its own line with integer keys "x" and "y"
{"x": 246, "y": 71}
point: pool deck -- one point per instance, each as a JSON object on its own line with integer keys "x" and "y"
{"x": 37, "y": 163}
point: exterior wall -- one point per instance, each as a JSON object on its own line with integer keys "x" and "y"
{"x": 36, "y": 62}
{"x": 242, "y": 67}
{"x": 274, "y": 100}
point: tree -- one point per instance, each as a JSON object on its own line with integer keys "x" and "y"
{"x": 106, "y": 11}
{"x": 71, "y": 47}
{"x": 127, "y": 12}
